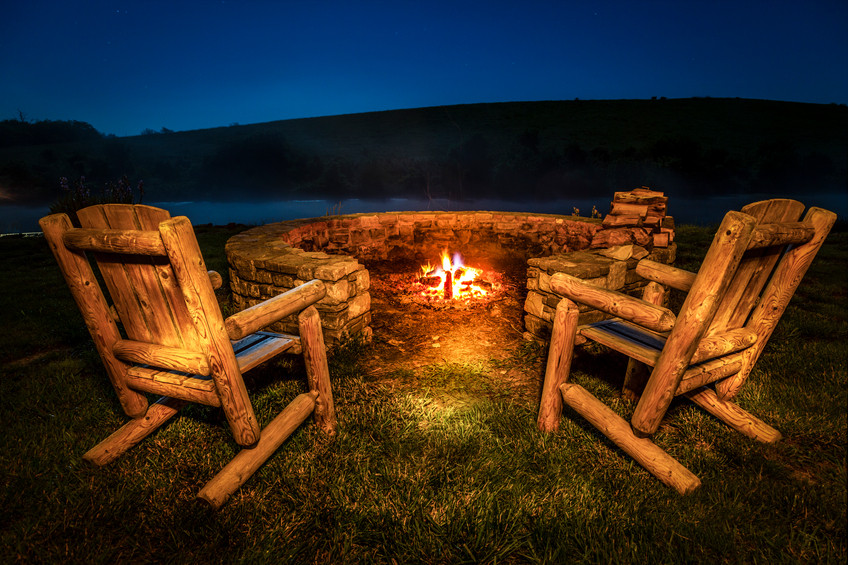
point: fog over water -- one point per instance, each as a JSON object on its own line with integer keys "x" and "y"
{"x": 701, "y": 211}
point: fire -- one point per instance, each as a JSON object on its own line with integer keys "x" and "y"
{"x": 453, "y": 279}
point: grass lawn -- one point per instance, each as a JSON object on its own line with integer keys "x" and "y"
{"x": 410, "y": 477}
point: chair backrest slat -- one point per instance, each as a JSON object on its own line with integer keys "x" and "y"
{"x": 142, "y": 288}
{"x": 755, "y": 268}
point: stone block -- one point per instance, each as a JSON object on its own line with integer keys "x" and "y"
{"x": 534, "y": 303}
{"x": 617, "y": 275}
{"x": 336, "y": 269}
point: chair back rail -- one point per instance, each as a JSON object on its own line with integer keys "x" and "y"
{"x": 144, "y": 289}
{"x": 92, "y": 304}
{"x": 772, "y": 302}
{"x": 755, "y": 267}
{"x": 698, "y": 310}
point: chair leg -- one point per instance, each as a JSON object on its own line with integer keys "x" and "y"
{"x": 317, "y": 373}
{"x": 638, "y": 373}
{"x": 659, "y": 463}
{"x": 635, "y": 379}
{"x": 134, "y": 431}
{"x": 249, "y": 459}
{"x": 734, "y": 416}
{"x": 558, "y": 368}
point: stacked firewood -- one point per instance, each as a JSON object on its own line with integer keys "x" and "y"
{"x": 642, "y": 208}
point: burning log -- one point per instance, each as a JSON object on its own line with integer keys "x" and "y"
{"x": 431, "y": 281}
{"x": 448, "y": 285}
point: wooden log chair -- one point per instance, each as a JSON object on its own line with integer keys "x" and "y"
{"x": 705, "y": 352}
{"x": 174, "y": 342}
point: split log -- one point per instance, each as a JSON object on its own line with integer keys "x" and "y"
{"x": 661, "y": 239}
{"x": 624, "y": 220}
{"x": 430, "y": 281}
{"x": 659, "y": 463}
{"x": 628, "y": 209}
{"x": 640, "y": 196}
{"x": 653, "y": 220}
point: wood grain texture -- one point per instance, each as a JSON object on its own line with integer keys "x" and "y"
{"x": 89, "y": 298}
{"x": 612, "y": 302}
{"x": 667, "y": 275}
{"x": 317, "y": 372}
{"x": 659, "y": 463}
{"x": 202, "y": 307}
{"x": 695, "y": 316}
{"x": 246, "y": 463}
{"x": 771, "y": 305}
{"x": 734, "y": 416}
{"x": 131, "y": 242}
{"x": 274, "y": 309}
{"x": 560, "y": 354}
{"x": 133, "y": 431}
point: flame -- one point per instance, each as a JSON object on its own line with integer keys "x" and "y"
{"x": 464, "y": 280}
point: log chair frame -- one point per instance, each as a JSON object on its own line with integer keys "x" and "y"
{"x": 756, "y": 261}
{"x": 175, "y": 341}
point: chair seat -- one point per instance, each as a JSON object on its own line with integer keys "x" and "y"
{"x": 250, "y": 352}
{"x": 632, "y": 340}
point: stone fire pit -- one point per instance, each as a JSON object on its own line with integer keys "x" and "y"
{"x": 270, "y": 259}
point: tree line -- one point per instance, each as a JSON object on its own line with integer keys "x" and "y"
{"x": 524, "y": 166}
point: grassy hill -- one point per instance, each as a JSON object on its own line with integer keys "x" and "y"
{"x": 506, "y": 150}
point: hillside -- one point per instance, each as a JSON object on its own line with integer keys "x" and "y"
{"x": 505, "y": 150}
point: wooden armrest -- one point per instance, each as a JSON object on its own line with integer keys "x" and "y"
{"x": 665, "y": 274}
{"x": 612, "y": 302}
{"x": 274, "y": 309}
{"x": 216, "y": 279}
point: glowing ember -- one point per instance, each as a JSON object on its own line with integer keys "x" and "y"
{"x": 453, "y": 280}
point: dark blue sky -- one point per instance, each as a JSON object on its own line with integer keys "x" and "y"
{"x": 124, "y": 66}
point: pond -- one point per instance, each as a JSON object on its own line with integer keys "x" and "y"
{"x": 702, "y": 210}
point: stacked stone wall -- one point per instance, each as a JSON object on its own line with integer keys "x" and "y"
{"x": 268, "y": 260}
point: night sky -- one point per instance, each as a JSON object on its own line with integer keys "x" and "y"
{"x": 127, "y": 66}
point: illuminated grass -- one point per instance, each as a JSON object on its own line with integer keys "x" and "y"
{"x": 446, "y": 468}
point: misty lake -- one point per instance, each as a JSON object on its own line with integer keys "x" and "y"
{"x": 702, "y": 211}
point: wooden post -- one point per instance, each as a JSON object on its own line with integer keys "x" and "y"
{"x": 776, "y": 296}
{"x": 248, "y": 460}
{"x": 190, "y": 271}
{"x": 134, "y": 431}
{"x": 560, "y": 354}
{"x": 697, "y": 313}
{"x": 317, "y": 373}
{"x": 94, "y": 309}
{"x": 659, "y": 463}
{"x": 637, "y": 372}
